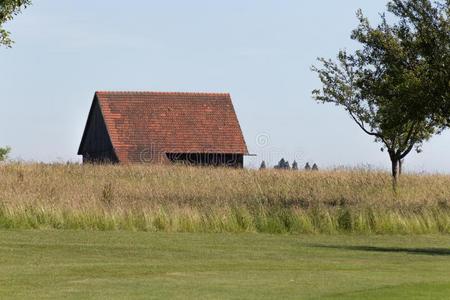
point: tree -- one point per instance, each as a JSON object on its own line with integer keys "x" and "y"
{"x": 280, "y": 164}
{"x": 263, "y": 165}
{"x": 384, "y": 85}
{"x": 295, "y": 166}
{"x": 287, "y": 166}
{"x": 283, "y": 165}
{"x": 4, "y": 153}
{"x": 9, "y": 9}
{"x": 307, "y": 167}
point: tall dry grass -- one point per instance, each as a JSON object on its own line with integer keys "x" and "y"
{"x": 188, "y": 199}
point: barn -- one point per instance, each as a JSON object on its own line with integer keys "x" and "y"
{"x": 163, "y": 127}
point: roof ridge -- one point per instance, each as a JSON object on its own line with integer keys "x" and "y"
{"x": 161, "y": 93}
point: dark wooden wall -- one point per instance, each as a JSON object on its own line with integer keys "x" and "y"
{"x": 208, "y": 159}
{"x": 97, "y": 146}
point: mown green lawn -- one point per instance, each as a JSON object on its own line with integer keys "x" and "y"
{"x": 123, "y": 265}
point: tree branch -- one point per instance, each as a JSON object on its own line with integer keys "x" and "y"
{"x": 404, "y": 154}
{"x": 361, "y": 125}
{"x": 409, "y": 135}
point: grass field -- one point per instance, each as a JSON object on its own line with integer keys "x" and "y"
{"x": 123, "y": 265}
{"x": 105, "y": 232}
{"x": 187, "y": 199}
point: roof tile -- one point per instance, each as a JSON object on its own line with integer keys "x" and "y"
{"x": 171, "y": 122}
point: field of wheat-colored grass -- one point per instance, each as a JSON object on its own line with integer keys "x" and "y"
{"x": 189, "y": 199}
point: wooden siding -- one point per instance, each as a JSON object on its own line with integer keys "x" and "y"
{"x": 208, "y": 159}
{"x": 96, "y": 145}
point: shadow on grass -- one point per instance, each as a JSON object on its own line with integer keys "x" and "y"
{"x": 423, "y": 251}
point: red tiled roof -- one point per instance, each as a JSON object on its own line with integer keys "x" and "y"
{"x": 170, "y": 123}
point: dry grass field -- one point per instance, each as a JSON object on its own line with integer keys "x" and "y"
{"x": 188, "y": 199}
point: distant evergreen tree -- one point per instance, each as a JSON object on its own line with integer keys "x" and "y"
{"x": 307, "y": 167}
{"x": 315, "y": 167}
{"x": 283, "y": 165}
{"x": 287, "y": 166}
{"x": 263, "y": 165}
{"x": 294, "y": 166}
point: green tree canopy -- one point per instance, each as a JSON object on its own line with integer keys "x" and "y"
{"x": 426, "y": 27}
{"x": 9, "y": 9}
{"x": 4, "y": 153}
{"x": 386, "y": 86}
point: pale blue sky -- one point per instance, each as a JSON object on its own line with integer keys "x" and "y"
{"x": 259, "y": 51}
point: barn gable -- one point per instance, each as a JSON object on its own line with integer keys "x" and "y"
{"x": 161, "y": 127}
{"x": 96, "y": 145}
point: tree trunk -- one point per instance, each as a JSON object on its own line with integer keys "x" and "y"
{"x": 395, "y": 171}
{"x": 400, "y": 166}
